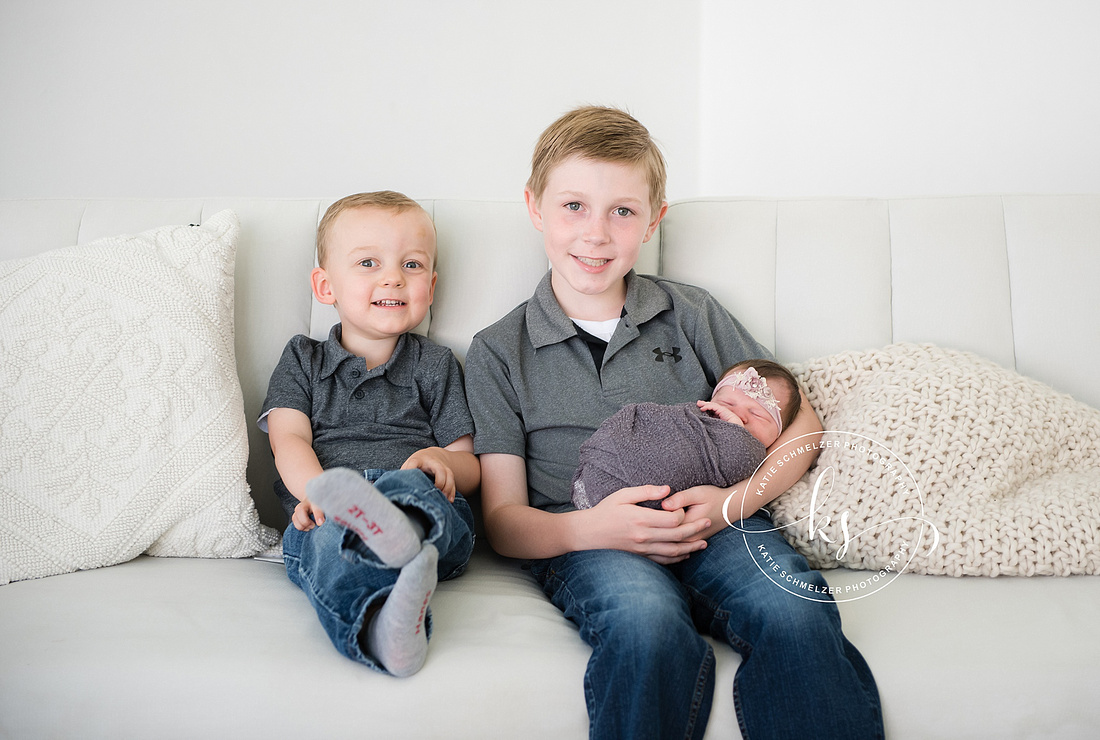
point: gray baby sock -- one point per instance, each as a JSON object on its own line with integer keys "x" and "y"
{"x": 349, "y": 499}
{"x": 397, "y": 635}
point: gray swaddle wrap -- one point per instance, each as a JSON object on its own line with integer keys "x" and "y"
{"x": 657, "y": 444}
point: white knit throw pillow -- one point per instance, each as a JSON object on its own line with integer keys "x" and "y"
{"x": 1009, "y": 469}
{"x": 122, "y": 425}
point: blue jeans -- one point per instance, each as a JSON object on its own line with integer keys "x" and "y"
{"x": 343, "y": 579}
{"x": 651, "y": 673}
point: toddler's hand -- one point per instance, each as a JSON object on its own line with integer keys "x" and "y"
{"x": 307, "y": 515}
{"x": 433, "y": 461}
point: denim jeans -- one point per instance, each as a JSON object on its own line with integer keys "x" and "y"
{"x": 343, "y": 579}
{"x": 651, "y": 673}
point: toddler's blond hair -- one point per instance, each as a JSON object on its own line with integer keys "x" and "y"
{"x": 384, "y": 199}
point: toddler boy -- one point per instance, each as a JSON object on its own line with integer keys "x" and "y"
{"x": 371, "y": 427}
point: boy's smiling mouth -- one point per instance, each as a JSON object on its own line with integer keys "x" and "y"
{"x": 591, "y": 261}
{"x": 388, "y": 303}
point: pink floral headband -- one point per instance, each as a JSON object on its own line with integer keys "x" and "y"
{"x": 752, "y": 385}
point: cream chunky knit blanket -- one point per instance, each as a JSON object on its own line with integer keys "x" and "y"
{"x": 1007, "y": 469}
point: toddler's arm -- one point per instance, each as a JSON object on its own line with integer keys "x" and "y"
{"x": 291, "y": 436}
{"x": 454, "y": 467}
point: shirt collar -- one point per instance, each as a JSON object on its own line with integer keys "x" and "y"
{"x": 399, "y": 368}
{"x": 644, "y": 298}
{"x": 548, "y": 324}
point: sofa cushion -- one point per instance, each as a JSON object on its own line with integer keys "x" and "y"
{"x": 123, "y": 429}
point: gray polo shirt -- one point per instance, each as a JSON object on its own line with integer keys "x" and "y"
{"x": 373, "y": 418}
{"x": 534, "y": 390}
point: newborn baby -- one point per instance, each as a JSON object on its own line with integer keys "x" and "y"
{"x": 718, "y": 442}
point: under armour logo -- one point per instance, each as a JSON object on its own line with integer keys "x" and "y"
{"x": 661, "y": 355}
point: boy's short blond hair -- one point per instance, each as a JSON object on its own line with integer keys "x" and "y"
{"x": 389, "y": 200}
{"x": 600, "y": 133}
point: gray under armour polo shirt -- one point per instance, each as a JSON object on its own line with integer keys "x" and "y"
{"x": 533, "y": 386}
{"x": 373, "y": 418}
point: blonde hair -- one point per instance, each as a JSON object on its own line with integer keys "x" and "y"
{"x": 605, "y": 134}
{"x": 389, "y": 200}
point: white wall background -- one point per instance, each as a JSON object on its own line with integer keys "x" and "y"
{"x": 444, "y": 99}
{"x": 887, "y": 98}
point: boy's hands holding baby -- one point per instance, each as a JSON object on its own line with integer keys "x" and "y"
{"x": 664, "y": 536}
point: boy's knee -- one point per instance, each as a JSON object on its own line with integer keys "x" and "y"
{"x": 802, "y": 626}
{"x": 648, "y": 622}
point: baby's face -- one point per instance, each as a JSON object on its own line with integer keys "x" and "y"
{"x": 754, "y": 417}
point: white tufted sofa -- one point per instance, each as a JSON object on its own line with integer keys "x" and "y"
{"x": 185, "y": 648}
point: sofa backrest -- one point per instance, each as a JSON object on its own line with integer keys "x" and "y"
{"x": 1008, "y": 277}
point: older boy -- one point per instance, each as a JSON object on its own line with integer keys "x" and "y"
{"x": 373, "y": 398}
{"x": 641, "y": 583}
